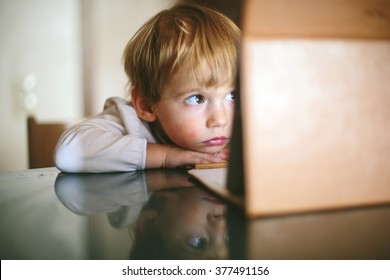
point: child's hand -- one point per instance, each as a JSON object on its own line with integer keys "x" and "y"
{"x": 179, "y": 157}
{"x": 170, "y": 156}
{"x": 224, "y": 153}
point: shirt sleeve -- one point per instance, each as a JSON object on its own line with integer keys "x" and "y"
{"x": 104, "y": 143}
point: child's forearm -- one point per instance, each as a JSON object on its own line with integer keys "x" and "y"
{"x": 160, "y": 156}
{"x": 156, "y": 155}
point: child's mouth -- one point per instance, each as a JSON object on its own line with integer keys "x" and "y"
{"x": 217, "y": 141}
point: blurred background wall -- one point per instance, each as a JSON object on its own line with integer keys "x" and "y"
{"x": 59, "y": 60}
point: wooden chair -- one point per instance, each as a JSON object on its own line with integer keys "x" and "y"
{"x": 42, "y": 139}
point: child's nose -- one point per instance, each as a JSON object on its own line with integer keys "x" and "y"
{"x": 218, "y": 116}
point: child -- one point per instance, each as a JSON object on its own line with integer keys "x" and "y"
{"x": 181, "y": 66}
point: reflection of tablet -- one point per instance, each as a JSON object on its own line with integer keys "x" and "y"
{"x": 215, "y": 180}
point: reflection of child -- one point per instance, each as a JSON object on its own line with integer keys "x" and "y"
{"x": 181, "y": 223}
{"x": 121, "y": 195}
{"x": 167, "y": 215}
{"x": 182, "y": 67}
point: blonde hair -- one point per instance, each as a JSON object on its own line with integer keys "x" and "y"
{"x": 187, "y": 35}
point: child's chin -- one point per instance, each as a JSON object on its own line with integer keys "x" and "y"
{"x": 210, "y": 150}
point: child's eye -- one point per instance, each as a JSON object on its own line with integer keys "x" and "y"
{"x": 195, "y": 100}
{"x": 197, "y": 243}
{"x": 231, "y": 96}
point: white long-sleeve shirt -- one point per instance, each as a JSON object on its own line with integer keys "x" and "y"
{"x": 114, "y": 140}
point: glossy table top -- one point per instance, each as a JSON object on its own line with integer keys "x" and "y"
{"x": 158, "y": 214}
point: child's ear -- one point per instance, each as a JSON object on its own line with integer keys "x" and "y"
{"x": 142, "y": 106}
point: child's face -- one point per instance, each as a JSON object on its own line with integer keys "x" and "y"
{"x": 193, "y": 116}
{"x": 194, "y": 224}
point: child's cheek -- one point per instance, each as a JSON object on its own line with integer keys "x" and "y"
{"x": 186, "y": 129}
{"x": 183, "y": 125}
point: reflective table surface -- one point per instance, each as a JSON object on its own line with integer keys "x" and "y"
{"x": 164, "y": 214}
